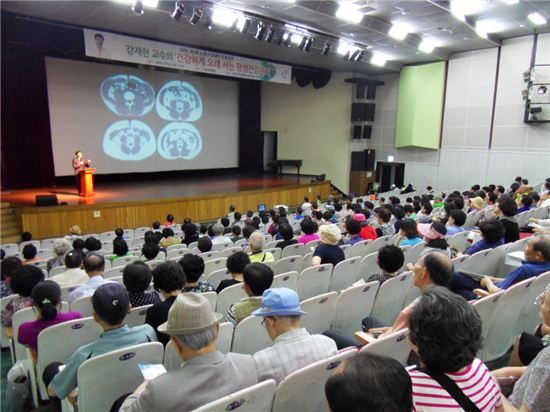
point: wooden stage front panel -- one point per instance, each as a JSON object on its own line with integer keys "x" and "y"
{"x": 55, "y": 221}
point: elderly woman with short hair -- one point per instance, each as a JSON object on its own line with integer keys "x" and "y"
{"x": 60, "y": 248}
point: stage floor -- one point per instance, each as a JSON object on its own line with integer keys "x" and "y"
{"x": 158, "y": 189}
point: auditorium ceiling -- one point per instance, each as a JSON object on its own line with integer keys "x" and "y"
{"x": 476, "y": 25}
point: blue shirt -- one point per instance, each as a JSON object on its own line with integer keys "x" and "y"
{"x": 483, "y": 245}
{"x": 109, "y": 341}
{"x": 410, "y": 242}
{"x": 354, "y": 240}
{"x": 526, "y": 271}
{"x": 453, "y": 230}
{"x": 88, "y": 288}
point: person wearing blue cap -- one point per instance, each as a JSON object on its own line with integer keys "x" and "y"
{"x": 293, "y": 347}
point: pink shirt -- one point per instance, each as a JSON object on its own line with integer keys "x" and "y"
{"x": 308, "y": 238}
{"x": 475, "y": 381}
{"x": 29, "y": 331}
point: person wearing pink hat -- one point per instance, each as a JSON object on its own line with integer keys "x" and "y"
{"x": 434, "y": 236}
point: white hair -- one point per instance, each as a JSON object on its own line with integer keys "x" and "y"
{"x": 199, "y": 340}
{"x": 256, "y": 241}
{"x": 61, "y": 246}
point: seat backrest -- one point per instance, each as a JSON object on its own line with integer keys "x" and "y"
{"x": 319, "y": 312}
{"x": 217, "y": 276}
{"x": 304, "y": 389}
{"x": 228, "y": 296}
{"x": 10, "y": 248}
{"x": 529, "y": 313}
{"x": 177, "y": 253}
{"x": 19, "y": 317}
{"x": 346, "y": 249}
{"x": 394, "y": 346}
{"x": 458, "y": 240}
{"x": 213, "y": 265}
{"x": 176, "y": 247}
{"x": 345, "y": 274}
{"x": 308, "y": 261}
{"x": 486, "y": 262}
{"x": 35, "y": 243}
{"x": 275, "y": 251}
{"x": 288, "y": 264}
{"x": 500, "y": 336}
{"x": 113, "y": 272}
{"x": 378, "y": 244}
{"x": 360, "y": 248}
{"x": 413, "y": 254}
{"x": 314, "y": 281}
{"x": 293, "y": 250}
{"x": 48, "y": 243}
{"x": 369, "y": 266}
{"x": 83, "y": 305}
{"x": 250, "y": 336}
{"x": 172, "y": 359}
{"x": 352, "y": 306}
{"x": 56, "y": 271}
{"x": 107, "y": 236}
{"x": 257, "y": 398}
{"x": 154, "y": 263}
{"x": 313, "y": 244}
{"x": 390, "y": 297}
{"x": 225, "y": 337}
{"x": 104, "y": 378}
{"x": 213, "y": 254}
{"x": 486, "y": 308}
{"x": 460, "y": 262}
{"x": 66, "y": 292}
{"x": 221, "y": 246}
{"x": 228, "y": 251}
{"x": 212, "y": 298}
{"x": 286, "y": 280}
{"x": 518, "y": 245}
{"x": 136, "y": 316}
{"x": 123, "y": 261}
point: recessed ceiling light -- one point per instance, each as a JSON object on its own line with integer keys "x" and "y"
{"x": 462, "y": 8}
{"x": 398, "y": 31}
{"x": 344, "y": 47}
{"x": 537, "y": 19}
{"x": 511, "y": 2}
{"x": 489, "y": 26}
{"x": 379, "y": 59}
{"x": 223, "y": 17}
{"x": 426, "y": 46}
{"x": 349, "y": 12}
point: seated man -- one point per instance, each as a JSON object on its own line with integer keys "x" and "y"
{"x": 433, "y": 269}
{"x": 537, "y": 261}
{"x": 218, "y": 238}
{"x": 206, "y": 374}
{"x": 94, "y": 266}
{"x": 256, "y": 243}
{"x": 492, "y": 233}
{"x": 193, "y": 268}
{"x": 111, "y": 305}
{"x": 74, "y": 275}
{"x": 293, "y": 347}
{"x": 257, "y": 278}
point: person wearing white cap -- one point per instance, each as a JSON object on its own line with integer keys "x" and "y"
{"x": 293, "y": 347}
{"x": 205, "y": 375}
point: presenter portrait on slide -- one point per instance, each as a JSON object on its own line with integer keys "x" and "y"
{"x": 79, "y": 164}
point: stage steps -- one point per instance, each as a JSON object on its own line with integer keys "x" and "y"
{"x": 337, "y": 193}
{"x": 10, "y": 231}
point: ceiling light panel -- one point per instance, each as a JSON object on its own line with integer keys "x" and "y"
{"x": 379, "y": 59}
{"x": 349, "y": 12}
{"x": 223, "y": 17}
{"x": 399, "y": 31}
{"x": 537, "y": 19}
{"x": 427, "y": 46}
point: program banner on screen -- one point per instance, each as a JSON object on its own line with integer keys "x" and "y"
{"x": 105, "y": 45}
{"x": 127, "y": 120}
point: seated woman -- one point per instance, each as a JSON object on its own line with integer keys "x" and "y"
{"x": 434, "y": 236}
{"x": 23, "y": 280}
{"x": 235, "y": 265}
{"x": 505, "y": 211}
{"x": 524, "y": 203}
{"x": 445, "y": 332}
{"x": 193, "y": 268}
{"x": 190, "y": 233}
{"x": 408, "y": 234}
{"x": 309, "y": 227}
{"x": 137, "y": 278}
{"x": 476, "y": 204}
{"x": 492, "y": 233}
{"x": 60, "y": 247}
{"x": 8, "y": 266}
{"x": 29, "y": 255}
{"x": 285, "y": 231}
{"x": 46, "y": 301}
{"x": 120, "y": 249}
{"x": 390, "y": 260}
{"x": 329, "y": 251}
{"x": 168, "y": 238}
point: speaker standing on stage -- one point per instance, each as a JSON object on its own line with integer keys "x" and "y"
{"x": 79, "y": 165}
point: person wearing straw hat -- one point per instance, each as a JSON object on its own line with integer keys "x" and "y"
{"x": 205, "y": 375}
{"x": 329, "y": 251}
{"x": 293, "y": 346}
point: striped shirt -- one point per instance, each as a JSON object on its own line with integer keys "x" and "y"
{"x": 475, "y": 381}
{"x": 291, "y": 351}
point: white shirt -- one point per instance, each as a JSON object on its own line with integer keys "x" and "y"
{"x": 70, "y": 277}
{"x": 291, "y": 351}
{"x": 220, "y": 240}
{"x": 88, "y": 288}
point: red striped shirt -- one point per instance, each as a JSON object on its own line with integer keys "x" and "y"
{"x": 475, "y": 381}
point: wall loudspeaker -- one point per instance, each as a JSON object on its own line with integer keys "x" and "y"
{"x": 46, "y": 200}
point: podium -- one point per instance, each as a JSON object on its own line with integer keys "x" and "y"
{"x": 87, "y": 182}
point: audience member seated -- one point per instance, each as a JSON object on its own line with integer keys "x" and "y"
{"x": 456, "y": 220}
{"x": 137, "y": 278}
{"x": 256, "y": 243}
{"x": 524, "y": 203}
{"x": 408, "y": 234}
{"x": 225, "y": 223}
{"x": 169, "y": 220}
{"x": 204, "y": 244}
{"x": 537, "y": 261}
{"x": 235, "y": 265}
{"x": 367, "y": 231}
{"x": 353, "y": 228}
{"x": 390, "y": 260}
{"x": 111, "y": 305}
{"x": 79, "y": 245}
{"x": 74, "y": 232}
{"x": 445, "y": 332}
{"x": 205, "y": 374}
{"x": 530, "y": 392}
{"x": 426, "y": 210}
{"x": 492, "y": 233}
{"x": 236, "y": 233}
{"x": 29, "y": 255}
{"x": 476, "y": 204}
{"x": 26, "y": 236}
{"x": 367, "y": 382}
{"x": 74, "y": 275}
{"x": 60, "y": 247}
{"x": 219, "y": 238}
{"x": 8, "y": 266}
{"x": 285, "y": 231}
{"x": 399, "y": 214}
{"x": 92, "y": 244}
{"x": 94, "y": 266}
{"x": 168, "y": 280}
{"x": 120, "y": 249}
{"x": 309, "y": 227}
{"x": 293, "y": 347}
{"x": 168, "y": 238}
{"x": 527, "y": 345}
{"x": 193, "y": 268}
{"x": 383, "y": 217}
{"x": 299, "y": 215}
{"x": 150, "y": 251}
{"x": 46, "y": 303}
{"x": 190, "y": 233}
{"x": 328, "y": 251}
{"x": 257, "y": 278}
{"x": 505, "y": 211}
{"x": 434, "y": 236}
{"x": 434, "y": 269}
{"x": 22, "y": 281}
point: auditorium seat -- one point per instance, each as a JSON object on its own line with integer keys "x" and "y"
{"x": 47, "y": 243}
{"x": 35, "y": 243}
{"x": 293, "y": 250}
{"x": 250, "y": 336}
{"x": 394, "y": 346}
{"x": 486, "y": 262}
{"x": 10, "y": 248}
{"x": 286, "y": 280}
{"x": 288, "y": 264}
{"x": 529, "y": 312}
{"x": 319, "y": 311}
{"x": 352, "y": 305}
{"x": 257, "y": 398}
{"x": 217, "y": 276}
{"x": 228, "y": 251}
{"x": 460, "y": 263}
{"x": 276, "y": 252}
{"x": 136, "y": 316}
{"x": 360, "y": 248}
{"x": 228, "y": 296}
{"x": 308, "y": 261}
{"x": 369, "y": 266}
{"x": 83, "y": 305}
{"x": 212, "y": 265}
{"x": 212, "y": 298}
{"x": 314, "y": 281}
{"x": 113, "y": 272}
{"x": 486, "y": 307}
{"x": 378, "y": 244}
{"x": 390, "y": 298}
{"x": 124, "y": 260}
{"x": 175, "y": 247}
{"x": 56, "y": 271}
{"x": 413, "y": 254}
{"x": 213, "y": 254}
{"x": 345, "y": 274}
{"x": 107, "y": 236}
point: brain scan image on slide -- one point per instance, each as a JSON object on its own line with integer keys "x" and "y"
{"x": 129, "y": 140}
{"x": 127, "y": 95}
{"x": 179, "y": 141}
{"x": 179, "y": 100}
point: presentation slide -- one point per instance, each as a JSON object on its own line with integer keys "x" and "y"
{"x": 127, "y": 120}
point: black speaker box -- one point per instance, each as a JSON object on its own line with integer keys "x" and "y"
{"x": 46, "y": 200}
{"x": 358, "y": 161}
{"x": 357, "y": 132}
{"x": 367, "y": 130}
